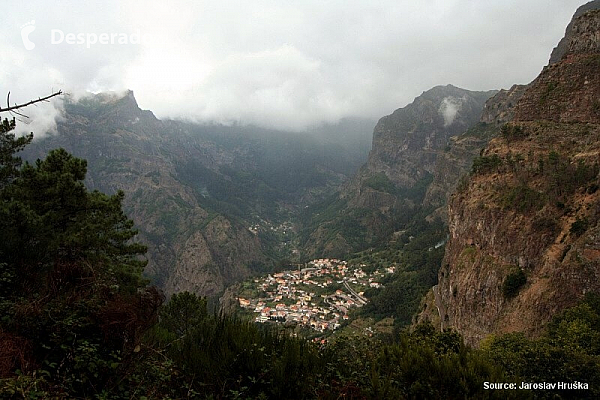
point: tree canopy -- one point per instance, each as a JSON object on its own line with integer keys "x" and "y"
{"x": 72, "y": 298}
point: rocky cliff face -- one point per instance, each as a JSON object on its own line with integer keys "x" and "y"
{"x": 525, "y": 228}
{"x": 222, "y": 250}
{"x": 567, "y": 91}
{"x": 453, "y": 164}
{"x": 563, "y": 46}
{"x": 456, "y": 159}
{"x": 501, "y": 108}
{"x": 406, "y": 144}
{"x": 401, "y": 166}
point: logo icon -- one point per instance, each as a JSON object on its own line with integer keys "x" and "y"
{"x": 25, "y": 31}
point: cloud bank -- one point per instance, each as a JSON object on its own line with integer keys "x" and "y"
{"x": 279, "y": 64}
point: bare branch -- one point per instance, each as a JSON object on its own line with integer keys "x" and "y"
{"x": 18, "y": 113}
{"x": 10, "y": 108}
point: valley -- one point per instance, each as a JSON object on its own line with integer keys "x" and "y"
{"x": 450, "y": 249}
{"x": 214, "y": 204}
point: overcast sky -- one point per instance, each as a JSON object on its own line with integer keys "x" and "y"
{"x": 282, "y": 64}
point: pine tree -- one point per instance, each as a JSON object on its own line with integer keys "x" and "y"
{"x": 9, "y": 146}
{"x": 72, "y": 298}
{"x": 49, "y": 218}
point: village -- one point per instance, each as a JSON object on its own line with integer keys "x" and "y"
{"x": 317, "y": 295}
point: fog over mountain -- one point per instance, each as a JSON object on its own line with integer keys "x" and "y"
{"x": 285, "y": 65}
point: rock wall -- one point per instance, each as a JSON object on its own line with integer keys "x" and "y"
{"x": 562, "y": 47}
{"x": 531, "y": 207}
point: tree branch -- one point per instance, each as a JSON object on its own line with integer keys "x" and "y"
{"x": 17, "y": 106}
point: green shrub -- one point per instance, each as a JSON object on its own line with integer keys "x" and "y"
{"x": 381, "y": 183}
{"x": 463, "y": 184}
{"x": 486, "y": 164}
{"x": 596, "y": 107}
{"x": 523, "y": 198}
{"x": 568, "y": 350}
{"x": 550, "y": 90}
{"x": 579, "y": 227}
{"x": 513, "y": 132}
{"x": 513, "y": 282}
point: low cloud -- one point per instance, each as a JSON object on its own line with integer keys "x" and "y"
{"x": 287, "y": 65}
{"x": 449, "y": 108}
{"x": 281, "y": 88}
{"x": 30, "y": 84}
{"x": 41, "y": 119}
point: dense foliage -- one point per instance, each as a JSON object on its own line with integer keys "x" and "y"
{"x": 9, "y": 146}
{"x": 513, "y": 282}
{"x": 72, "y": 298}
{"x": 220, "y": 356}
{"x": 417, "y": 256}
{"x": 569, "y": 351}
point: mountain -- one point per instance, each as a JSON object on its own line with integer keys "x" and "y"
{"x": 213, "y": 203}
{"x": 524, "y": 239}
{"x": 563, "y": 46}
{"x": 385, "y": 193}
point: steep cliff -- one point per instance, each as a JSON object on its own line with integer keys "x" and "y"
{"x": 525, "y": 227}
{"x": 501, "y": 108}
{"x": 407, "y": 142}
{"x": 455, "y": 161}
{"x": 388, "y": 189}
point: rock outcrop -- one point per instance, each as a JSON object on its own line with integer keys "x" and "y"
{"x": 568, "y": 91}
{"x": 456, "y": 159}
{"x": 562, "y": 47}
{"x": 406, "y": 144}
{"x": 501, "y": 108}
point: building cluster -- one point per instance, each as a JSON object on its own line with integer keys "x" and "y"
{"x": 318, "y": 296}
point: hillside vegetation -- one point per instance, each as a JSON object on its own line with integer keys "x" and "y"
{"x": 79, "y": 321}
